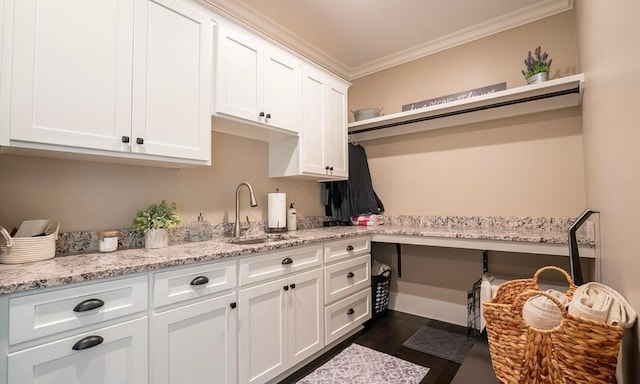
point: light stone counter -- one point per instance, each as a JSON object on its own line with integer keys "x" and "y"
{"x": 92, "y": 266}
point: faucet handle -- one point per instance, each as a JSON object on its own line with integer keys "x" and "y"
{"x": 246, "y": 224}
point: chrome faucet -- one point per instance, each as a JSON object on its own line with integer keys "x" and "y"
{"x": 253, "y": 201}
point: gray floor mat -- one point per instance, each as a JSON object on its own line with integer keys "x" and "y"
{"x": 442, "y": 340}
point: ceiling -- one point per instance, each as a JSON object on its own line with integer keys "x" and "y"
{"x": 354, "y": 38}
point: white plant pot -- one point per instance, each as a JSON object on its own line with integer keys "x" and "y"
{"x": 538, "y": 78}
{"x": 156, "y": 238}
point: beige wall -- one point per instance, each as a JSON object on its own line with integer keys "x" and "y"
{"x": 525, "y": 166}
{"x": 86, "y": 195}
{"x": 530, "y": 165}
{"x": 610, "y": 59}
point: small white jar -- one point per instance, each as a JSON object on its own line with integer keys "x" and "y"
{"x": 107, "y": 241}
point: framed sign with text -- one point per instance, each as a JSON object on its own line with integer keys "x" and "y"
{"x": 486, "y": 90}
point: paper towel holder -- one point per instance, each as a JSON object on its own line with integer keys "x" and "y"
{"x": 279, "y": 227}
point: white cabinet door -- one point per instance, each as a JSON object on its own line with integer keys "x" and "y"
{"x": 324, "y": 125}
{"x": 257, "y": 82}
{"x": 282, "y": 89}
{"x": 335, "y": 130}
{"x": 239, "y": 80}
{"x": 306, "y": 315}
{"x": 72, "y": 72}
{"x": 195, "y": 343}
{"x": 173, "y": 59}
{"x": 262, "y": 329}
{"x": 120, "y": 357}
{"x": 313, "y": 115}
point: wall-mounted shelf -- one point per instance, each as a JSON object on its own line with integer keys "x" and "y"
{"x": 560, "y": 93}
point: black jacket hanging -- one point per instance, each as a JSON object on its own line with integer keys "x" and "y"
{"x": 362, "y": 198}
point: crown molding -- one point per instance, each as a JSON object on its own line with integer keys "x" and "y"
{"x": 290, "y": 40}
{"x": 274, "y": 31}
{"x": 499, "y": 24}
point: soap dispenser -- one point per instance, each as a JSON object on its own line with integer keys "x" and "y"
{"x": 199, "y": 229}
{"x": 292, "y": 224}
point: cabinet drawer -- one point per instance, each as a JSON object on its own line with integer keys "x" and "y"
{"x": 44, "y": 314}
{"x": 192, "y": 282}
{"x": 109, "y": 355}
{"x": 347, "y": 315}
{"x": 343, "y": 249}
{"x": 346, "y": 277}
{"x": 262, "y": 267}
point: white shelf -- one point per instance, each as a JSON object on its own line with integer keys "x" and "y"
{"x": 560, "y": 93}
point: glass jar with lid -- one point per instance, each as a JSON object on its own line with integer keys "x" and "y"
{"x": 108, "y": 240}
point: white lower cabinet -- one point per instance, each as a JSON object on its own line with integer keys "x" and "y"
{"x": 111, "y": 355}
{"x": 193, "y": 325}
{"x": 349, "y": 281}
{"x": 195, "y": 343}
{"x": 281, "y": 323}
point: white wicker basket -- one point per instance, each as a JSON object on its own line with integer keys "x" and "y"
{"x": 20, "y": 250}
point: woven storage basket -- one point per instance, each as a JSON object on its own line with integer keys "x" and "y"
{"x": 30, "y": 249}
{"x": 576, "y": 351}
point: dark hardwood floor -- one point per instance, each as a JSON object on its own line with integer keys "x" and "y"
{"x": 386, "y": 334}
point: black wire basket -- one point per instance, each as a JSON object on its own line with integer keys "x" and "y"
{"x": 380, "y": 293}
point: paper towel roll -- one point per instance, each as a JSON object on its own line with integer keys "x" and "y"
{"x": 277, "y": 207}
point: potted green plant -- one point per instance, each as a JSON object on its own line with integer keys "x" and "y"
{"x": 537, "y": 66}
{"x": 154, "y": 223}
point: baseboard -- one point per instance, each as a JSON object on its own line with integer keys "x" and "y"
{"x": 425, "y": 307}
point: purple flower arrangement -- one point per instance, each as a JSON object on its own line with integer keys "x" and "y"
{"x": 536, "y": 63}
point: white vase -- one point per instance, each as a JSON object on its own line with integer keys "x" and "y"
{"x": 538, "y": 78}
{"x": 156, "y": 238}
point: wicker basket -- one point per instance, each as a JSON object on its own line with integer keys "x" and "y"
{"x": 576, "y": 351}
{"x": 20, "y": 250}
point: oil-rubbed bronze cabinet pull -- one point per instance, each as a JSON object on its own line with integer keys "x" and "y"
{"x": 350, "y": 311}
{"x": 233, "y": 305}
{"x": 287, "y": 260}
{"x": 87, "y": 342}
{"x": 293, "y": 286}
{"x": 200, "y": 280}
{"x": 88, "y": 305}
{"x": 350, "y": 275}
{"x": 349, "y": 247}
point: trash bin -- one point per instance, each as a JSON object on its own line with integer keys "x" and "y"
{"x": 380, "y": 279}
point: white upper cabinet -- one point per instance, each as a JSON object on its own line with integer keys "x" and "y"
{"x": 324, "y": 125}
{"x": 124, "y": 78}
{"x": 173, "y": 65}
{"x": 257, "y": 82}
{"x": 71, "y": 82}
{"x": 321, "y": 150}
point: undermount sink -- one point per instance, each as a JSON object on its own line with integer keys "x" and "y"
{"x": 259, "y": 240}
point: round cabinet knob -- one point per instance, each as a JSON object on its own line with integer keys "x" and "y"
{"x": 139, "y": 140}
{"x": 287, "y": 260}
{"x": 286, "y": 287}
{"x": 233, "y": 305}
{"x": 261, "y": 114}
{"x": 331, "y": 168}
{"x": 268, "y": 116}
{"x": 349, "y": 247}
{"x": 293, "y": 286}
{"x": 350, "y": 275}
{"x": 326, "y": 168}
{"x": 125, "y": 139}
{"x": 350, "y": 311}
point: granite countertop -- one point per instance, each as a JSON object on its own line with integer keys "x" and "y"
{"x": 76, "y": 268}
